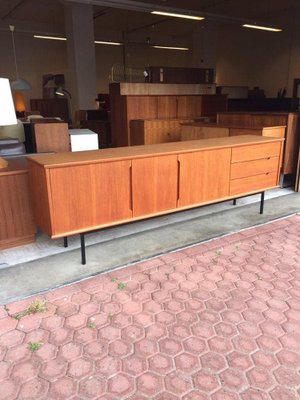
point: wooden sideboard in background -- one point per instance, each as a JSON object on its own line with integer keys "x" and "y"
{"x": 158, "y": 101}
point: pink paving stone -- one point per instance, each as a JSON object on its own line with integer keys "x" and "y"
{"x": 24, "y": 371}
{"x": 18, "y": 353}
{"x": 249, "y": 329}
{"x": 52, "y": 323}
{"x": 213, "y": 361}
{"x": 255, "y": 394}
{"x": 60, "y": 336}
{"x": 224, "y": 395}
{"x": 187, "y": 317}
{"x": 239, "y": 360}
{"x": 99, "y": 319}
{"x": 80, "y": 298}
{"x": 68, "y": 309}
{"x": 95, "y": 350}
{"x": 205, "y": 381}
{"x": 287, "y": 377}
{"x": 120, "y": 348}
{"x": 89, "y": 308}
{"x": 149, "y": 384}
{"x": 244, "y": 344}
{"x": 70, "y": 351}
{"x": 187, "y": 362}
{"x": 195, "y": 395}
{"x": 134, "y": 365}
{"x": 121, "y": 385}
{"x": 180, "y": 295}
{"x": 11, "y": 338}
{"x": 132, "y": 307}
{"x": 156, "y": 331}
{"x": 203, "y": 330}
{"x": 109, "y": 333}
{"x": 234, "y": 380}
{"x": 85, "y": 335}
{"x": 53, "y": 369}
{"x": 225, "y": 329}
{"x": 76, "y": 321}
{"x": 264, "y": 360}
{"x": 121, "y": 320}
{"x": 132, "y": 333}
{"x": 92, "y": 387}
{"x": 195, "y": 345}
{"x": 34, "y": 389}
{"x": 232, "y": 317}
{"x": 165, "y": 318}
{"x": 161, "y": 363}
{"x": 63, "y": 388}
{"x": 283, "y": 393}
{"x": 9, "y": 390}
{"x": 289, "y": 358}
{"x": 4, "y": 370}
{"x": 152, "y": 307}
{"x": 108, "y": 366}
{"x": 170, "y": 346}
{"x": 180, "y": 332}
{"x": 177, "y": 383}
{"x": 146, "y": 347}
{"x": 260, "y": 378}
{"x": 268, "y": 343}
{"x": 45, "y": 353}
{"x": 220, "y": 344}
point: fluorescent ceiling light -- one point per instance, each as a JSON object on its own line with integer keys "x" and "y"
{"x": 169, "y": 14}
{"x": 49, "y": 37}
{"x": 171, "y": 48}
{"x": 111, "y": 43}
{"x": 263, "y": 28}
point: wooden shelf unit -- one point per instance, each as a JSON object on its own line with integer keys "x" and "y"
{"x": 158, "y": 101}
{"x": 79, "y": 192}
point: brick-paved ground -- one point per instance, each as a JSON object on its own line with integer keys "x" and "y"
{"x": 217, "y": 321}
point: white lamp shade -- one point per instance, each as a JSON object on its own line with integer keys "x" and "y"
{"x": 7, "y": 109}
{"x": 20, "y": 85}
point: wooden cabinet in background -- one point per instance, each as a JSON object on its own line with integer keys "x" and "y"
{"x": 17, "y": 226}
{"x": 157, "y": 101}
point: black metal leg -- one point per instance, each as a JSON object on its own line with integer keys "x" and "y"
{"x": 65, "y": 241}
{"x": 82, "y": 243}
{"x": 234, "y": 202}
{"x": 262, "y": 200}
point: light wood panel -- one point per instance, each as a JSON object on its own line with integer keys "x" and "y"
{"x": 253, "y": 183}
{"x": 203, "y": 176}
{"x": 17, "y": 225}
{"x": 189, "y": 106}
{"x": 254, "y": 167}
{"x": 154, "y": 185}
{"x": 51, "y": 137}
{"x": 166, "y": 107}
{"x": 196, "y": 131}
{"x": 255, "y": 152}
{"x": 86, "y": 196}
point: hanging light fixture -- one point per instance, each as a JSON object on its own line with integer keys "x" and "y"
{"x": 18, "y": 84}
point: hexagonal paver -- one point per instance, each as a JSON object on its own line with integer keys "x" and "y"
{"x": 70, "y": 351}
{"x": 178, "y": 383}
{"x": 187, "y": 362}
{"x": 24, "y": 371}
{"x": 165, "y": 318}
{"x": 234, "y": 380}
{"x": 205, "y": 381}
{"x": 134, "y": 365}
{"x": 225, "y": 329}
{"x": 156, "y": 331}
{"x": 53, "y": 369}
{"x": 62, "y": 388}
{"x": 120, "y": 385}
{"x": 34, "y": 389}
{"x": 240, "y": 361}
{"x": 264, "y": 360}
{"x": 92, "y": 387}
{"x": 170, "y": 346}
{"x": 96, "y": 349}
{"x": 149, "y": 384}
{"x": 260, "y": 378}
{"x": 220, "y": 344}
{"x": 120, "y": 348}
{"x": 213, "y": 361}
{"x": 108, "y": 366}
{"x": 109, "y": 333}
{"x": 132, "y": 333}
{"x": 80, "y": 368}
{"x": 145, "y": 347}
{"x": 194, "y": 345}
{"x": 161, "y": 363}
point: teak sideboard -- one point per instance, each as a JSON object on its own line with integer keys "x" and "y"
{"x": 78, "y": 192}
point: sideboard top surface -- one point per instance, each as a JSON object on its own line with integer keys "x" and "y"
{"x": 130, "y": 152}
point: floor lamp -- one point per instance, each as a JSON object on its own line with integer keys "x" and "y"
{"x": 7, "y": 109}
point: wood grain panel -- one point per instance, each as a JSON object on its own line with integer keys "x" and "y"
{"x": 93, "y": 195}
{"x": 41, "y": 196}
{"x": 188, "y": 106}
{"x": 51, "y": 137}
{"x": 255, "y": 152}
{"x": 292, "y": 143}
{"x": 204, "y": 176}
{"x": 166, "y": 107}
{"x": 255, "y": 167}
{"x": 244, "y": 131}
{"x": 253, "y": 183}
{"x": 194, "y": 132}
{"x": 17, "y": 225}
{"x": 154, "y": 184}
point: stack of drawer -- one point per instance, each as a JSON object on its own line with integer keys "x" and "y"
{"x": 254, "y": 167}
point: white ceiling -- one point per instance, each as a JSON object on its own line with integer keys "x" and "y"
{"x": 47, "y": 16}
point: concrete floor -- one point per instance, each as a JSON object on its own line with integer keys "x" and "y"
{"x": 138, "y": 242}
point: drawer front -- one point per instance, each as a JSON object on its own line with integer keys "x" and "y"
{"x": 255, "y": 167}
{"x": 253, "y": 183}
{"x": 255, "y": 152}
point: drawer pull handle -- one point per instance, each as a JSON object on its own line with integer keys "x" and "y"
{"x": 267, "y": 173}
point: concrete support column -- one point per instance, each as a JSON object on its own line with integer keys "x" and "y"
{"x": 81, "y": 79}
